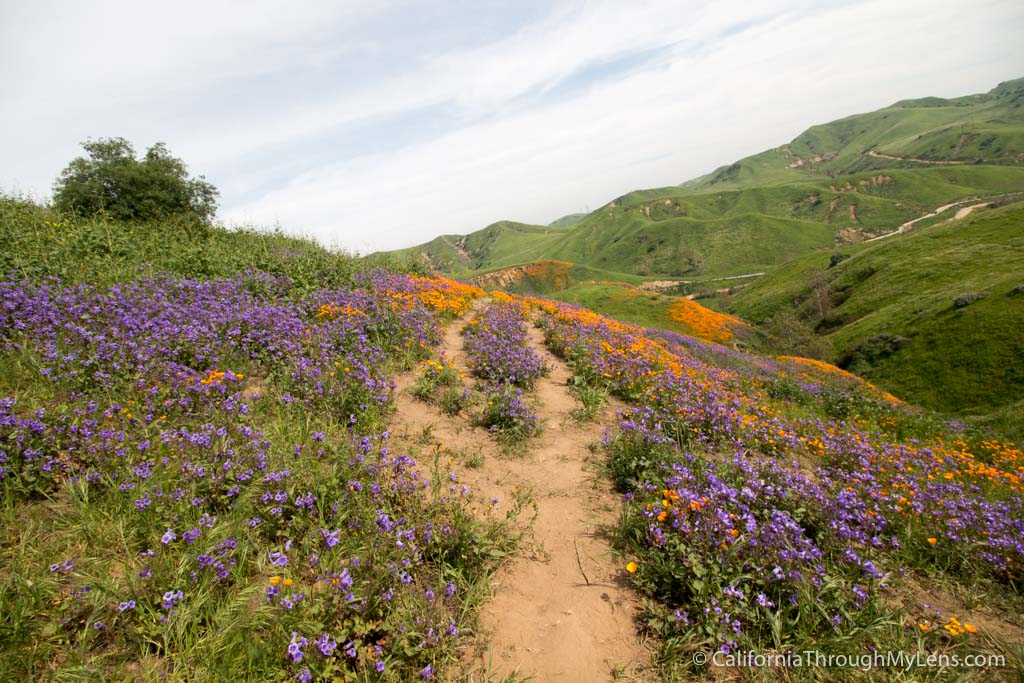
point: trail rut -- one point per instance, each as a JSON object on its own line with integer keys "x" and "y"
{"x": 560, "y": 610}
{"x": 961, "y": 213}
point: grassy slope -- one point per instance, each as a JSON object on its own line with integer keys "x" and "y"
{"x": 765, "y": 210}
{"x": 622, "y": 301}
{"x": 37, "y": 241}
{"x": 805, "y": 199}
{"x": 548, "y": 277}
{"x": 987, "y": 127}
{"x": 68, "y": 623}
{"x": 967, "y": 360}
{"x": 651, "y": 309}
{"x": 501, "y": 244}
{"x": 237, "y": 633}
{"x": 699, "y": 234}
{"x": 567, "y": 220}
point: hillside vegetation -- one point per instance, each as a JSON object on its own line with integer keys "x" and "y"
{"x": 936, "y": 315}
{"x": 986, "y": 129}
{"x": 836, "y": 183}
{"x": 498, "y": 245}
{"x": 195, "y": 468}
{"x": 211, "y": 471}
{"x": 39, "y": 242}
{"x": 784, "y": 213}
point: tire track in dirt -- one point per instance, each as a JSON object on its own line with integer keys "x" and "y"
{"x": 561, "y": 610}
{"x": 935, "y": 212}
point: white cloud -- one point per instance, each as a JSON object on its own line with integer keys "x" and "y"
{"x": 687, "y": 114}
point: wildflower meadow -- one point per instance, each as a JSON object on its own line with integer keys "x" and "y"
{"x": 780, "y": 504}
{"x": 200, "y": 480}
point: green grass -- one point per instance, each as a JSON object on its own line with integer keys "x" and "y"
{"x": 547, "y": 277}
{"x": 762, "y": 211}
{"x": 621, "y": 301}
{"x": 39, "y": 242}
{"x": 986, "y": 128}
{"x": 501, "y": 244}
{"x": 720, "y": 231}
{"x": 965, "y": 360}
{"x": 567, "y": 220}
{"x": 591, "y": 397}
{"x": 769, "y": 213}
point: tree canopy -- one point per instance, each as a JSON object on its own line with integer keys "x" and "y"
{"x": 110, "y": 180}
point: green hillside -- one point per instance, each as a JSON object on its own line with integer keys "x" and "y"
{"x": 837, "y": 183}
{"x": 500, "y": 244}
{"x": 986, "y": 128}
{"x": 935, "y": 315}
{"x": 776, "y": 218}
{"x": 567, "y": 220}
{"x": 676, "y": 233}
{"x": 548, "y": 277}
{"x": 40, "y": 242}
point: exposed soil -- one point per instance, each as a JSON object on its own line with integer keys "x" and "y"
{"x": 810, "y": 161}
{"x": 458, "y": 248}
{"x": 850, "y": 235}
{"x": 937, "y": 162}
{"x": 734, "y": 277}
{"x": 964, "y": 139}
{"x": 875, "y": 181}
{"x": 557, "y": 274}
{"x": 831, "y": 207}
{"x": 965, "y": 211}
{"x": 560, "y": 610}
{"x": 961, "y": 213}
{"x": 659, "y": 285}
{"x": 912, "y": 596}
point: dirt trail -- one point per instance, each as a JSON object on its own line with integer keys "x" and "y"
{"x": 560, "y": 610}
{"x": 658, "y": 285}
{"x": 965, "y": 211}
{"x": 961, "y": 213}
{"x": 463, "y": 254}
{"x": 937, "y": 162}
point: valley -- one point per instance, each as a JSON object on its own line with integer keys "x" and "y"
{"x": 740, "y": 240}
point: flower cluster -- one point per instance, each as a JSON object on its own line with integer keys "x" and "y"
{"x": 704, "y": 322}
{"x": 743, "y": 543}
{"x": 216, "y": 436}
{"x": 497, "y": 347}
{"x": 500, "y": 356}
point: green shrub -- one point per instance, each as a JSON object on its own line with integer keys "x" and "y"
{"x": 110, "y": 181}
{"x": 836, "y": 259}
{"x": 965, "y": 300}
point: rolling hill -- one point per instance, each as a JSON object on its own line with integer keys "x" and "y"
{"x": 935, "y": 315}
{"x": 837, "y": 183}
{"x": 767, "y": 227}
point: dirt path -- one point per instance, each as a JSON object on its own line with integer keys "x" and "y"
{"x": 961, "y": 213}
{"x": 560, "y": 611}
{"x": 463, "y": 254}
{"x": 965, "y": 211}
{"x": 937, "y": 162}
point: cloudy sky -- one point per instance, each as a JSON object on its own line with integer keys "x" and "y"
{"x": 379, "y": 124}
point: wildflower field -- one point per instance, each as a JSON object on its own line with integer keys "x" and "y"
{"x": 200, "y": 480}
{"x": 501, "y": 358}
{"x": 197, "y": 482}
{"x": 784, "y": 504}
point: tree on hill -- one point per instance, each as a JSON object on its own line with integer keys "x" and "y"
{"x": 111, "y": 181}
